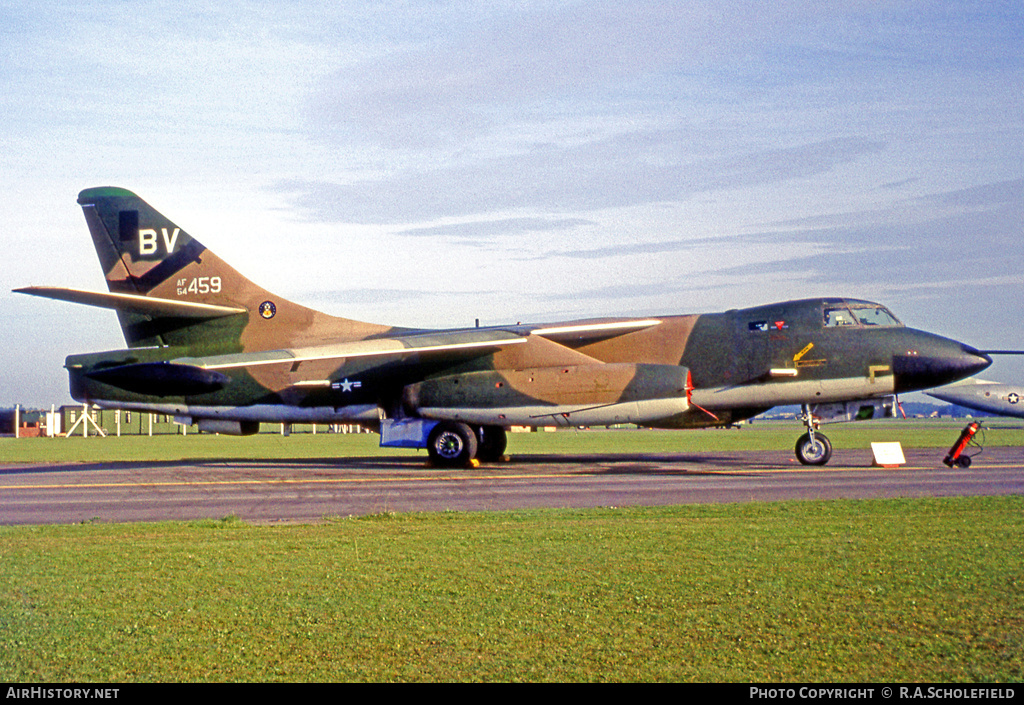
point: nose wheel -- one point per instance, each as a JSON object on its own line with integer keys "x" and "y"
{"x": 812, "y": 448}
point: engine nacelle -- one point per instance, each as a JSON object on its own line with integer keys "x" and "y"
{"x": 583, "y": 395}
{"x": 162, "y": 379}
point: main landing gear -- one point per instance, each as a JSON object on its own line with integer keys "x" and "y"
{"x": 455, "y": 444}
{"x": 812, "y": 448}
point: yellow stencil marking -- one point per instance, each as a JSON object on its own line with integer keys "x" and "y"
{"x": 803, "y": 352}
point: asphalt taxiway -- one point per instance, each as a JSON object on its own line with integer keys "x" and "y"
{"x": 267, "y": 491}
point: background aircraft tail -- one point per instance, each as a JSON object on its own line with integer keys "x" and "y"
{"x": 168, "y": 289}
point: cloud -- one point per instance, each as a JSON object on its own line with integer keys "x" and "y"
{"x": 628, "y": 249}
{"x": 487, "y": 230}
{"x": 976, "y": 238}
{"x": 578, "y": 157}
{"x": 643, "y": 168}
{"x": 902, "y": 251}
{"x": 986, "y": 195}
{"x": 461, "y": 82}
{"x": 362, "y": 296}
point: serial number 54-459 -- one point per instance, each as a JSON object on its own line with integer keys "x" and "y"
{"x": 199, "y": 285}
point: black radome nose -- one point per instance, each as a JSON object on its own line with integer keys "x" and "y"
{"x": 937, "y": 367}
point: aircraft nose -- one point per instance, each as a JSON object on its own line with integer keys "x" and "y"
{"x": 936, "y": 363}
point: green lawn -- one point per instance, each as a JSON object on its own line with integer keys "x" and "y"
{"x": 856, "y": 591}
{"x": 901, "y": 590}
{"x": 775, "y": 435}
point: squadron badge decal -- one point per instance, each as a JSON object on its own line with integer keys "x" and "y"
{"x": 268, "y": 309}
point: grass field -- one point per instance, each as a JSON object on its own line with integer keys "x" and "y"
{"x": 903, "y": 590}
{"x": 925, "y": 590}
{"x": 774, "y": 435}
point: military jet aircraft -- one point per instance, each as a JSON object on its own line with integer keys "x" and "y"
{"x": 982, "y": 395}
{"x": 208, "y": 346}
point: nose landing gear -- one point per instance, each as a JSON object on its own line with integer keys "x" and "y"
{"x": 812, "y": 448}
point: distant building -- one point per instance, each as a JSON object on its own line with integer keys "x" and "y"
{"x": 117, "y": 422}
{"x": 30, "y": 423}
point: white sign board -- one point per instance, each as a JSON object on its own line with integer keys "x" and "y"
{"x": 888, "y": 455}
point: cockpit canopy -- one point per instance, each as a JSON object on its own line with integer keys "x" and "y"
{"x": 857, "y": 313}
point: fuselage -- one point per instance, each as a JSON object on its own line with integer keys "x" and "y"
{"x": 988, "y": 397}
{"x": 678, "y": 371}
{"x": 209, "y": 346}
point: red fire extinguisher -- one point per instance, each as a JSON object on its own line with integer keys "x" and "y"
{"x": 955, "y": 455}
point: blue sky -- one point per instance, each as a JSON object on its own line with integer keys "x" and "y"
{"x": 433, "y": 163}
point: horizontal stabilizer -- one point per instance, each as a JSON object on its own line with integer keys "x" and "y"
{"x": 473, "y": 341}
{"x": 132, "y": 303}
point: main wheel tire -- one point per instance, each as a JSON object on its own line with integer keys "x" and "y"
{"x": 816, "y": 452}
{"x": 451, "y": 445}
{"x": 493, "y": 442}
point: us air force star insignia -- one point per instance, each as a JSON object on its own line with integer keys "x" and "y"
{"x": 268, "y": 309}
{"x": 1013, "y": 397}
{"x": 346, "y": 386}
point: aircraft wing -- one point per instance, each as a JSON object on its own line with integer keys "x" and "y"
{"x": 132, "y": 303}
{"x": 590, "y": 331}
{"x": 473, "y": 341}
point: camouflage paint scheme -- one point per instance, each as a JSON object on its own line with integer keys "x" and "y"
{"x": 207, "y": 345}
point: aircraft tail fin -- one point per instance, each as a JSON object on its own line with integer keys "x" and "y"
{"x": 126, "y": 232}
{"x": 150, "y": 264}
